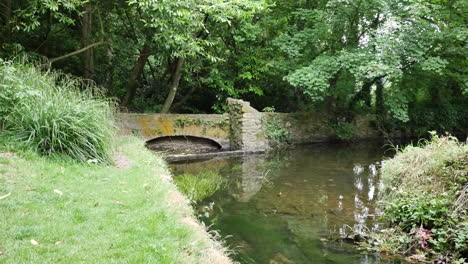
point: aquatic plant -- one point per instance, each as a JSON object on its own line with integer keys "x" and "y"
{"x": 200, "y": 186}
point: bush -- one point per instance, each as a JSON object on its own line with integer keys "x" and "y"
{"x": 344, "y": 130}
{"x": 424, "y": 201}
{"x": 275, "y": 131}
{"x": 55, "y": 114}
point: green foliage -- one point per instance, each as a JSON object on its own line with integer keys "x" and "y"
{"x": 314, "y": 79}
{"x": 294, "y": 55}
{"x": 424, "y": 197}
{"x": 275, "y": 131}
{"x": 29, "y": 18}
{"x": 397, "y": 106}
{"x": 344, "y": 130}
{"x": 418, "y": 211}
{"x": 54, "y": 115}
{"x": 200, "y": 186}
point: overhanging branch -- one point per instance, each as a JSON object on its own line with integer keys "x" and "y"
{"x": 77, "y": 51}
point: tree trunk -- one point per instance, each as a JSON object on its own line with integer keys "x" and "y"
{"x": 379, "y": 98}
{"x": 86, "y": 30}
{"x": 177, "y": 74}
{"x": 109, "y": 80}
{"x": 331, "y": 99}
{"x": 185, "y": 98}
{"x": 135, "y": 75}
{"x": 363, "y": 94}
{"x": 6, "y": 20}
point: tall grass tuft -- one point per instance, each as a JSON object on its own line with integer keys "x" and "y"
{"x": 55, "y": 114}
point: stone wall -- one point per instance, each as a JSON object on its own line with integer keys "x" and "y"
{"x": 246, "y": 130}
{"x": 243, "y": 128}
{"x": 314, "y": 127}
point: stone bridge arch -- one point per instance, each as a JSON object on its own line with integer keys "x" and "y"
{"x": 184, "y": 144}
{"x": 241, "y": 128}
{"x": 212, "y": 129}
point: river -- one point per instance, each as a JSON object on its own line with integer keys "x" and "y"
{"x": 292, "y": 206}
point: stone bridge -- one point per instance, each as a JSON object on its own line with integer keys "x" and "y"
{"x": 153, "y": 127}
{"x": 242, "y": 129}
{"x": 239, "y": 129}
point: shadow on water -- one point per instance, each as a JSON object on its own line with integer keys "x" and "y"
{"x": 292, "y": 206}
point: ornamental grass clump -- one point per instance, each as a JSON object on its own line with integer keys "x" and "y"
{"x": 424, "y": 200}
{"x": 55, "y": 114}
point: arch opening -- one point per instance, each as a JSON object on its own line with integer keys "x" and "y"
{"x": 183, "y": 144}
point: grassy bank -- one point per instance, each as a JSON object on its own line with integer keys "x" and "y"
{"x": 73, "y": 192}
{"x": 68, "y": 212}
{"x": 425, "y": 202}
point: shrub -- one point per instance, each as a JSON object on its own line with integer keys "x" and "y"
{"x": 344, "y": 130}
{"x": 55, "y": 114}
{"x": 424, "y": 201}
{"x": 275, "y": 130}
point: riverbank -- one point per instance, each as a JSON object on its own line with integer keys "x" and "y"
{"x": 56, "y": 211}
{"x": 425, "y": 203}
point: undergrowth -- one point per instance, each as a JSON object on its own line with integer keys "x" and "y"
{"x": 55, "y": 114}
{"x": 424, "y": 197}
{"x": 275, "y": 131}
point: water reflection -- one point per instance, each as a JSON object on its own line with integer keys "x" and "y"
{"x": 290, "y": 207}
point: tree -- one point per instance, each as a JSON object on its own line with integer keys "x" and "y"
{"x": 177, "y": 30}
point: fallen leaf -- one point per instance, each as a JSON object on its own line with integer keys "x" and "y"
{"x": 119, "y": 202}
{"x": 58, "y": 242}
{"x": 34, "y": 242}
{"x": 23, "y": 213}
{"x": 5, "y": 196}
{"x": 122, "y": 182}
{"x": 58, "y": 192}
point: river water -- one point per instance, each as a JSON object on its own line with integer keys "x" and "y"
{"x": 290, "y": 207}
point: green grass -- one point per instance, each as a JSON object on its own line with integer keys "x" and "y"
{"x": 82, "y": 213}
{"x": 433, "y": 166}
{"x": 424, "y": 203}
{"x": 54, "y": 113}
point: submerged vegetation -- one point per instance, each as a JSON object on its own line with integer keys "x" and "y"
{"x": 425, "y": 202}
{"x": 200, "y": 186}
{"x": 55, "y": 113}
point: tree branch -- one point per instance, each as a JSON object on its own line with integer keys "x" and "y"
{"x": 77, "y": 51}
